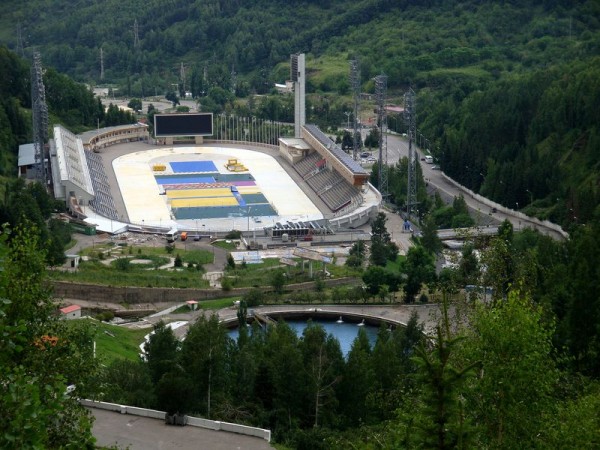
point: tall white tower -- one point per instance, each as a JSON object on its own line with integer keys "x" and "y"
{"x": 298, "y": 78}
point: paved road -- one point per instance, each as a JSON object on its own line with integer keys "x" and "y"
{"x": 398, "y": 147}
{"x": 143, "y": 433}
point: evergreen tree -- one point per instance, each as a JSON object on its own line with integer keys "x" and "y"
{"x": 204, "y": 356}
{"x": 323, "y": 363}
{"x": 382, "y": 247}
{"x": 430, "y": 239}
{"x": 442, "y": 423}
{"x": 161, "y": 351}
{"x": 357, "y": 381}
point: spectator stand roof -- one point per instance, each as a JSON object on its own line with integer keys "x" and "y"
{"x": 335, "y": 150}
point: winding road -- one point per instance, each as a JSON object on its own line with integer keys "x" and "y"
{"x": 397, "y": 147}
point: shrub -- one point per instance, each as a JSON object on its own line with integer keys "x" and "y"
{"x": 319, "y": 283}
{"x": 105, "y": 316}
{"x": 423, "y": 298}
{"x": 254, "y": 297}
{"x": 122, "y": 264}
{"x": 178, "y": 261}
{"x": 234, "y": 234}
{"x": 226, "y": 284}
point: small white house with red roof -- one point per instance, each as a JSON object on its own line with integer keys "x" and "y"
{"x": 70, "y": 312}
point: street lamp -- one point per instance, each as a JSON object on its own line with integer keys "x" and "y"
{"x": 530, "y": 196}
{"x": 348, "y": 113}
{"x": 248, "y": 214}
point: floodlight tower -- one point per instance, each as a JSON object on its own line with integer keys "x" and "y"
{"x": 355, "y": 85}
{"x": 297, "y": 74}
{"x": 382, "y": 173}
{"x": 410, "y": 115}
{"x": 40, "y": 117}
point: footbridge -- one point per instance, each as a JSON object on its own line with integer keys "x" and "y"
{"x": 395, "y": 315}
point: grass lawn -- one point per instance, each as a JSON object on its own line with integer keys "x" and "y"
{"x": 226, "y": 245}
{"x": 114, "y": 342}
{"x": 218, "y": 303}
{"x": 145, "y": 274}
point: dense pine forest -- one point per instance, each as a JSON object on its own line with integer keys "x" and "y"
{"x": 526, "y": 71}
{"x": 508, "y": 101}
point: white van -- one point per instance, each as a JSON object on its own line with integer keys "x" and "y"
{"x": 172, "y": 235}
{"x": 429, "y": 159}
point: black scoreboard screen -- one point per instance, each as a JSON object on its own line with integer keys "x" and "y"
{"x": 183, "y": 125}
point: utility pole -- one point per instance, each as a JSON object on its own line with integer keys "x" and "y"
{"x": 101, "y": 64}
{"x": 136, "y": 35}
{"x": 19, "y": 50}
{"x": 233, "y": 79}
{"x": 182, "y": 76}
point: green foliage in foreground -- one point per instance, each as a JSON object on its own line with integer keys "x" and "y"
{"x": 461, "y": 389}
{"x": 39, "y": 356}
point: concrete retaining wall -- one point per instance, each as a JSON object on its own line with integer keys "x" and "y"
{"x": 138, "y": 295}
{"x": 133, "y": 295}
{"x": 505, "y": 210}
{"x": 191, "y": 421}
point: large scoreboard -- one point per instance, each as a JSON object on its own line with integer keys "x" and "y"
{"x": 173, "y": 125}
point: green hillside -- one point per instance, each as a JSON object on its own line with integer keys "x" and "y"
{"x": 504, "y": 62}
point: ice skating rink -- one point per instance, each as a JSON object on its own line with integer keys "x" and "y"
{"x": 191, "y": 187}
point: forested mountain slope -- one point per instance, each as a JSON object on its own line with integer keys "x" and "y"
{"x": 409, "y": 40}
{"x": 506, "y": 90}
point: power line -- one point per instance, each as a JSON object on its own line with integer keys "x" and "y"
{"x": 39, "y": 116}
{"x": 355, "y": 84}
{"x": 381, "y": 95}
{"x": 410, "y": 114}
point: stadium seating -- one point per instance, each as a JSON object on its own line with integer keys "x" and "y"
{"x": 329, "y": 185}
{"x": 308, "y": 164}
{"x": 103, "y": 202}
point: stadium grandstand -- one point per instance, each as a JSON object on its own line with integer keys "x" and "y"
{"x": 334, "y": 177}
{"x": 70, "y": 175}
{"x": 305, "y": 183}
{"x": 335, "y": 183}
{"x": 95, "y": 140}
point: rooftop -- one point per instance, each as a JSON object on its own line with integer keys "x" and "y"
{"x": 70, "y": 309}
{"x": 335, "y": 150}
